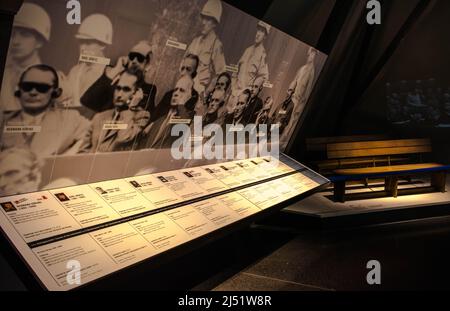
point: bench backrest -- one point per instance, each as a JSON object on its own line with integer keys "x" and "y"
{"x": 320, "y": 143}
{"x": 378, "y": 148}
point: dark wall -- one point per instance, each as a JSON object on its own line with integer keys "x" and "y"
{"x": 8, "y": 9}
{"x": 422, "y": 55}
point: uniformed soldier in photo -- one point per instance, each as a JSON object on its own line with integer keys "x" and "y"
{"x": 31, "y": 31}
{"x": 302, "y": 86}
{"x": 61, "y": 131}
{"x": 99, "y": 96}
{"x": 94, "y": 35}
{"x": 208, "y": 47}
{"x": 253, "y": 63}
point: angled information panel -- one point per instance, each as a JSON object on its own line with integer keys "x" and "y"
{"x": 107, "y": 226}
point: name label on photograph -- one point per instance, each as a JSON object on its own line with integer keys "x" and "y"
{"x": 115, "y": 126}
{"x": 177, "y": 45}
{"x": 232, "y": 68}
{"x": 15, "y": 129}
{"x": 94, "y": 59}
{"x": 268, "y": 85}
{"x": 180, "y": 121}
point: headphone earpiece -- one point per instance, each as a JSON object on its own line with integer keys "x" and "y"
{"x": 57, "y": 93}
{"x": 17, "y": 93}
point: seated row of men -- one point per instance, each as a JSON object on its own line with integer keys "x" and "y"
{"x": 56, "y": 130}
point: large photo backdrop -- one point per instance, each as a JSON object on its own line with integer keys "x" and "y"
{"x": 97, "y": 101}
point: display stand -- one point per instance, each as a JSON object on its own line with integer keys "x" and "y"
{"x": 73, "y": 236}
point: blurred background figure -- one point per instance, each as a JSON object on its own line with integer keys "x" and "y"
{"x": 283, "y": 115}
{"x": 20, "y": 172}
{"x": 31, "y": 31}
{"x": 302, "y": 86}
{"x": 252, "y": 63}
{"x": 256, "y": 103}
{"x": 263, "y": 116}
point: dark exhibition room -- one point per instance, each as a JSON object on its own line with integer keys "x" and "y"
{"x": 260, "y": 148}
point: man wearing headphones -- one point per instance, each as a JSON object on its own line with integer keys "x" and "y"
{"x": 99, "y": 97}
{"x": 39, "y": 126}
{"x": 118, "y": 128}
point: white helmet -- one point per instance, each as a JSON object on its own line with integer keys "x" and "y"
{"x": 34, "y": 17}
{"x": 264, "y": 26}
{"x": 96, "y": 27}
{"x": 213, "y": 8}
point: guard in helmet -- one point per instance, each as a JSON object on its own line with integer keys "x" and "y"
{"x": 94, "y": 35}
{"x": 302, "y": 86}
{"x": 208, "y": 47}
{"x": 31, "y": 31}
{"x": 253, "y": 62}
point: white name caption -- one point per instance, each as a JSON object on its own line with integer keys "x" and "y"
{"x": 15, "y": 129}
{"x": 115, "y": 126}
{"x": 180, "y": 121}
{"x": 177, "y": 45}
{"x": 94, "y": 59}
{"x": 232, "y": 68}
{"x": 268, "y": 85}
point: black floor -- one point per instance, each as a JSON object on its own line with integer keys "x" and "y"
{"x": 414, "y": 255}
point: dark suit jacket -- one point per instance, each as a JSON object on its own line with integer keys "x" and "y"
{"x": 99, "y": 97}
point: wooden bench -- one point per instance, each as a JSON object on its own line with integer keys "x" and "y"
{"x": 317, "y": 152}
{"x": 390, "y": 173}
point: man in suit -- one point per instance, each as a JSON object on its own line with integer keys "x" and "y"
{"x": 158, "y": 133}
{"x": 255, "y": 103}
{"x": 238, "y": 115}
{"x": 117, "y": 129}
{"x": 188, "y": 67}
{"x": 39, "y": 126}
{"x": 99, "y": 96}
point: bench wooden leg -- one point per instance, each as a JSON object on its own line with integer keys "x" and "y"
{"x": 438, "y": 181}
{"x": 339, "y": 191}
{"x": 391, "y": 186}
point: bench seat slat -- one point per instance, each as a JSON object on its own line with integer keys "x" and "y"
{"x": 379, "y": 144}
{"x": 378, "y": 152}
{"x": 387, "y": 169}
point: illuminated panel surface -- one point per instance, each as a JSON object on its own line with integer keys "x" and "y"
{"x": 111, "y": 225}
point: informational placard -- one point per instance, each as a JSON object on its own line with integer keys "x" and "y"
{"x": 72, "y": 236}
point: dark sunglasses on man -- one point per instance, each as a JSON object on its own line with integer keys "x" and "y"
{"x": 140, "y": 58}
{"x": 40, "y": 87}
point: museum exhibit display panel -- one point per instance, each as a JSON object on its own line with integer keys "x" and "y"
{"x": 108, "y": 226}
{"x": 145, "y": 127}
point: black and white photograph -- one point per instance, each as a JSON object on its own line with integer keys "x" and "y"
{"x": 117, "y": 84}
